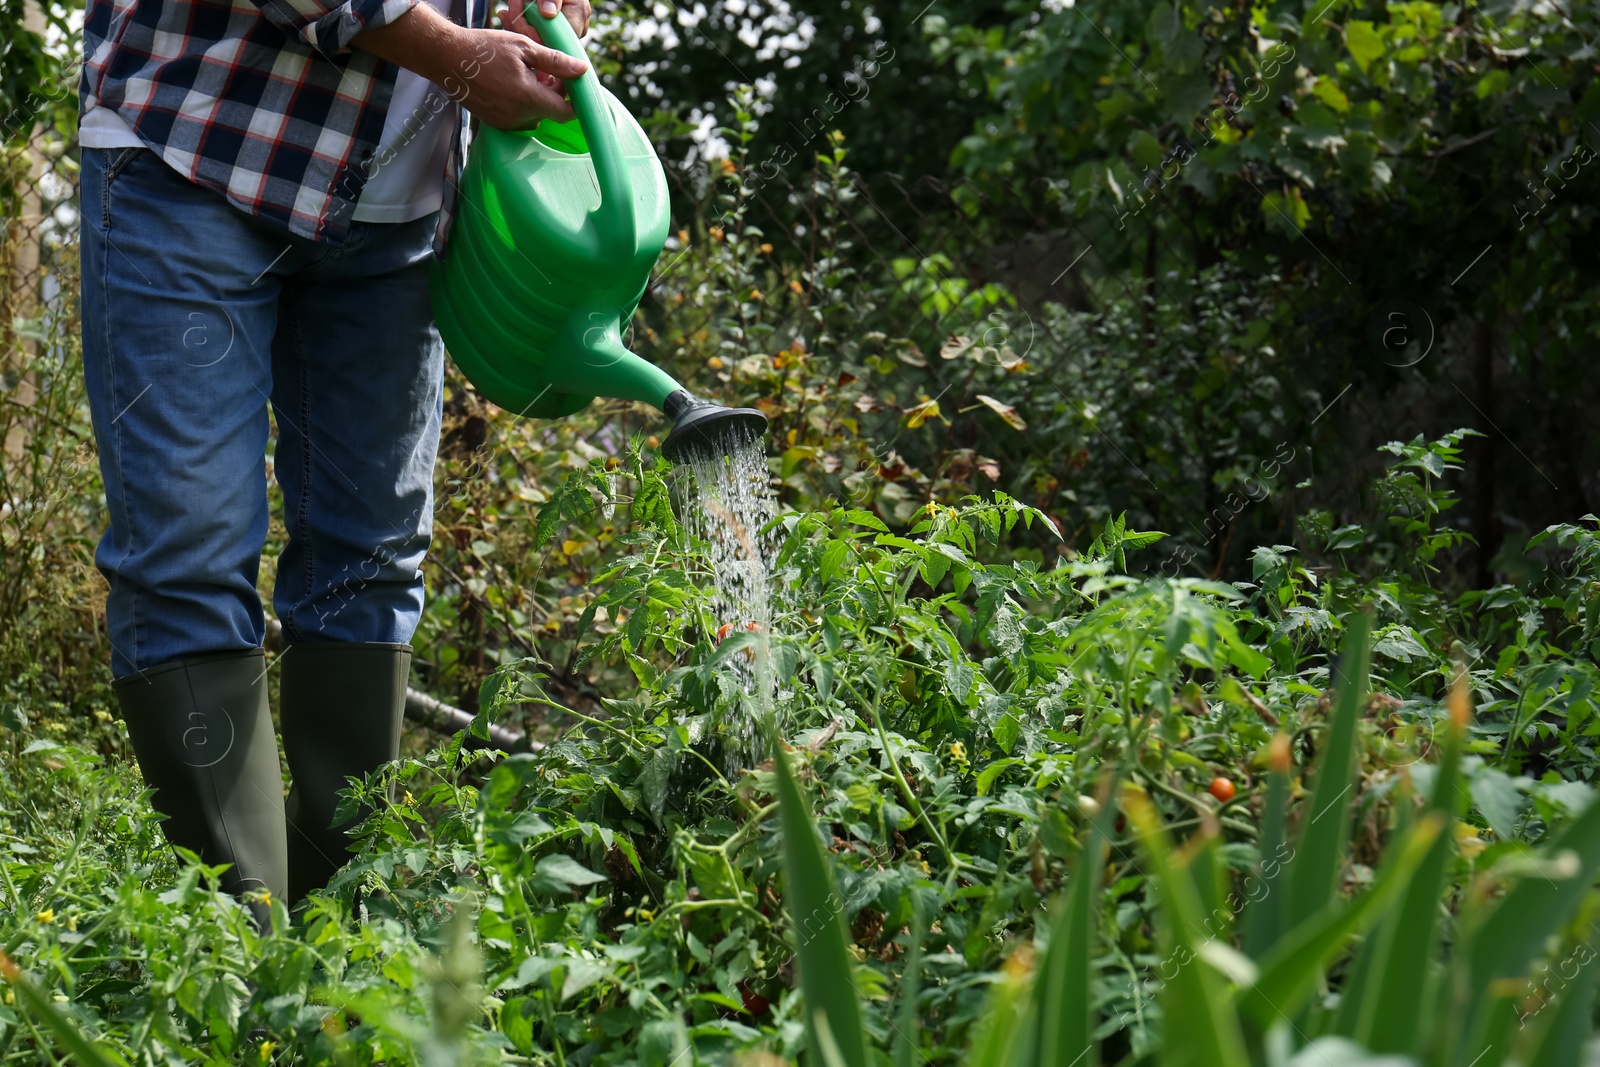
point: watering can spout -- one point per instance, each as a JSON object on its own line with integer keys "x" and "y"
{"x": 599, "y": 364}
{"x": 701, "y": 429}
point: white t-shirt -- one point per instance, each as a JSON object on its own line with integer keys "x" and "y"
{"x": 405, "y": 180}
{"x": 406, "y": 176}
{"x": 103, "y": 128}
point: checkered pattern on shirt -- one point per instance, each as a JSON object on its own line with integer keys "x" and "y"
{"x": 262, "y": 100}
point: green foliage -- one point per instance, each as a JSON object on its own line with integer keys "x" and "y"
{"x": 39, "y": 46}
{"x": 1225, "y": 1008}
{"x": 1341, "y": 157}
{"x": 870, "y": 72}
{"x": 1018, "y": 853}
{"x": 52, "y": 650}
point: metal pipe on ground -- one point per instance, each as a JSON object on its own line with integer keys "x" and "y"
{"x": 428, "y": 711}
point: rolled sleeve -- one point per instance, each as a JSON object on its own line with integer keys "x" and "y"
{"x": 328, "y": 27}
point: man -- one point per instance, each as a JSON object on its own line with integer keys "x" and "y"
{"x": 263, "y": 185}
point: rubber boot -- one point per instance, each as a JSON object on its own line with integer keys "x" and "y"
{"x": 203, "y": 737}
{"x": 341, "y": 705}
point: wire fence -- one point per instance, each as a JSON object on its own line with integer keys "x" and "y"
{"x": 39, "y": 256}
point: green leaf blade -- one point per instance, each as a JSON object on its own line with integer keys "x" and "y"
{"x": 1323, "y": 838}
{"x": 816, "y": 911}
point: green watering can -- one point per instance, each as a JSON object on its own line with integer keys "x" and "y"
{"x": 555, "y": 236}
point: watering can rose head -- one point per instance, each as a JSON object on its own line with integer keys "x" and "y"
{"x": 556, "y": 234}
{"x": 701, "y": 428}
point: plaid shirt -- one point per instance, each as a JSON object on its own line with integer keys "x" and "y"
{"x": 262, "y": 100}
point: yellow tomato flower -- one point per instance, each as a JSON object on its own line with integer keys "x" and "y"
{"x": 46, "y": 916}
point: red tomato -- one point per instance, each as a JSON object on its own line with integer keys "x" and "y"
{"x": 1222, "y": 789}
{"x": 727, "y": 628}
{"x": 754, "y": 1002}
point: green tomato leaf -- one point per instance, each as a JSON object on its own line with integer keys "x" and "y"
{"x": 1496, "y": 795}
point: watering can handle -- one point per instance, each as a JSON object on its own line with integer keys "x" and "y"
{"x": 614, "y": 219}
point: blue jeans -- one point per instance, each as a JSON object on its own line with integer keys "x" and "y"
{"x": 195, "y": 315}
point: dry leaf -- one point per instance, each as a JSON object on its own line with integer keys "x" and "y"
{"x": 1005, "y": 411}
{"x": 955, "y": 346}
{"x": 928, "y": 409}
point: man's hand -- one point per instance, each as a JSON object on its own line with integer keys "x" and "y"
{"x": 512, "y": 83}
{"x": 514, "y": 19}
{"x": 504, "y": 78}
{"x": 577, "y": 12}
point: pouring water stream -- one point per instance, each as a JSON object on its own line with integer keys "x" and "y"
{"x": 729, "y": 504}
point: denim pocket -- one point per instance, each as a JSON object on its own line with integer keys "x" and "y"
{"x": 120, "y": 161}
